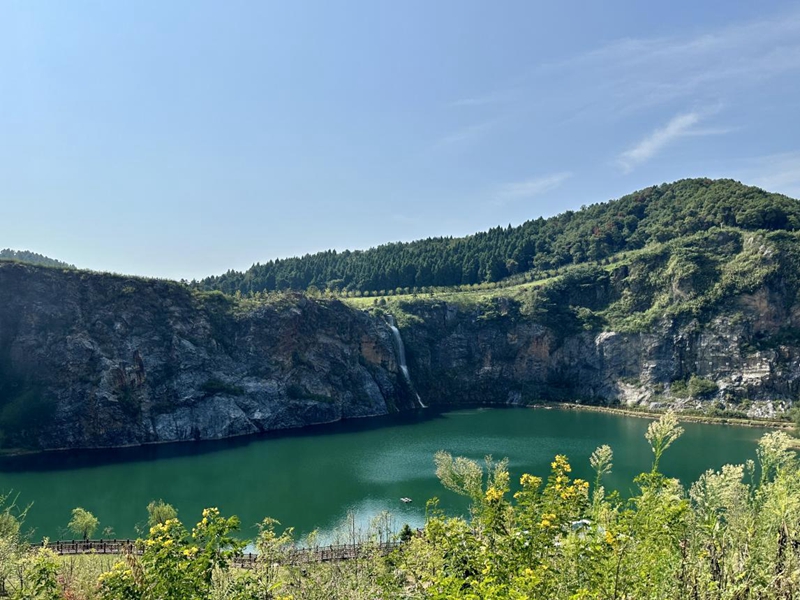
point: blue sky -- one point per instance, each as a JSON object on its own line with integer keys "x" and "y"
{"x": 183, "y": 138}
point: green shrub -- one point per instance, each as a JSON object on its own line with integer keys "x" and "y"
{"x": 679, "y": 389}
{"x": 700, "y": 387}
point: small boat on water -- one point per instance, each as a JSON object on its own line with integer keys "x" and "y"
{"x": 406, "y": 500}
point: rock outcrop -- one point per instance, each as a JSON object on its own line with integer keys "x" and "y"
{"x": 462, "y": 355}
{"x": 94, "y": 360}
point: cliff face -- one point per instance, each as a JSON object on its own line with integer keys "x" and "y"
{"x": 89, "y": 360}
{"x": 459, "y": 356}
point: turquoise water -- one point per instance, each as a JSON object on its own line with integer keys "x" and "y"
{"x": 312, "y": 478}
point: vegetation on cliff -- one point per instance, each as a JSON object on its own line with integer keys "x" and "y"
{"x": 594, "y": 233}
{"x": 692, "y": 277}
{"x": 733, "y": 534}
{"x": 32, "y": 258}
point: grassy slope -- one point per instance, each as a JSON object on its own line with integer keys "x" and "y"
{"x": 690, "y": 277}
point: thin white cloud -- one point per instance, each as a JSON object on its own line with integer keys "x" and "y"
{"x": 679, "y": 126}
{"x": 724, "y": 65}
{"x": 711, "y": 131}
{"x": 632, "y": 74}
{"x": 775, "y": 39}
{"x": 530, "y": 187}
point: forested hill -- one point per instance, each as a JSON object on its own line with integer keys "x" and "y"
{"x": 593, "y": 233}
{"x": 32, "y": 258}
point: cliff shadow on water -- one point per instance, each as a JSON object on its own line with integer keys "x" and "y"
{"x": 66, "y": 460}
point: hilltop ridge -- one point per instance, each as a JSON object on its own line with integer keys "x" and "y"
{"x": 596, "y": 232}
{"x": 33, "y": 258}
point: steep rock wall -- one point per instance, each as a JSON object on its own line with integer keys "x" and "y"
{"x": 461, "y": 355}
{"x": 90, "y": 360}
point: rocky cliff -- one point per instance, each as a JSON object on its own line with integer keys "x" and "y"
{"x": 709, "y": 321}
{"x": 460, "y": 355}
{"x": 92, "y": 360}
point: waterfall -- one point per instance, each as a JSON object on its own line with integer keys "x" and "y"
{"x": 401, "y": 356}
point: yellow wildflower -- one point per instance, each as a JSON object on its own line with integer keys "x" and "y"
{"x": 561, "y": 463}
{"x": 493, "y": 495}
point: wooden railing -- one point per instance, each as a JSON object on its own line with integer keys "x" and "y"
{"x": 293, "y": 555}
{"x": 67, "y": 547}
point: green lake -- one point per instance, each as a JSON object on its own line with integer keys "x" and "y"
{"x": 312, "y": 478}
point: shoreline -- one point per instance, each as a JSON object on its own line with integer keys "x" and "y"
{"x": 785, "y": 426}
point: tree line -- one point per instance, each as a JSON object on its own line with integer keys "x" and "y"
{"x": 594, "y": 233}
{"x": 33, "y": 258}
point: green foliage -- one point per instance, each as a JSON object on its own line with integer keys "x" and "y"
{"x": 159, "y": 512}
{"x": 272, "y": 549}
{"x": 459, "y": 475}
{"x": 595, "y": 233}
{"x": 679, "y": 389}
{"x": 32, "y": 258}
{"x": 700, "y": 387}
{"x": 694, "y": 277}
{"x": 13, "y": 544}
{"x": 83, "y": 523}
{"x": 601, "y": 461}
{"x": 569, "y": 303}
{"x": 39, "y": 579}
{"x": 795, "y": 416}
{"x": 661, "y": 434}
{"x": 176, "y": 564}
{"x": 694, "y": 387}
{"x": 406, "y": 533}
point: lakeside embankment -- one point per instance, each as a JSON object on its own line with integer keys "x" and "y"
{"x": 688, "y": 417}
{"x": 683, "y": 416}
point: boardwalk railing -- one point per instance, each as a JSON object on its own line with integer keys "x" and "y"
{"x": 293, "y": 555}
{"x": 67, "y": 547}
